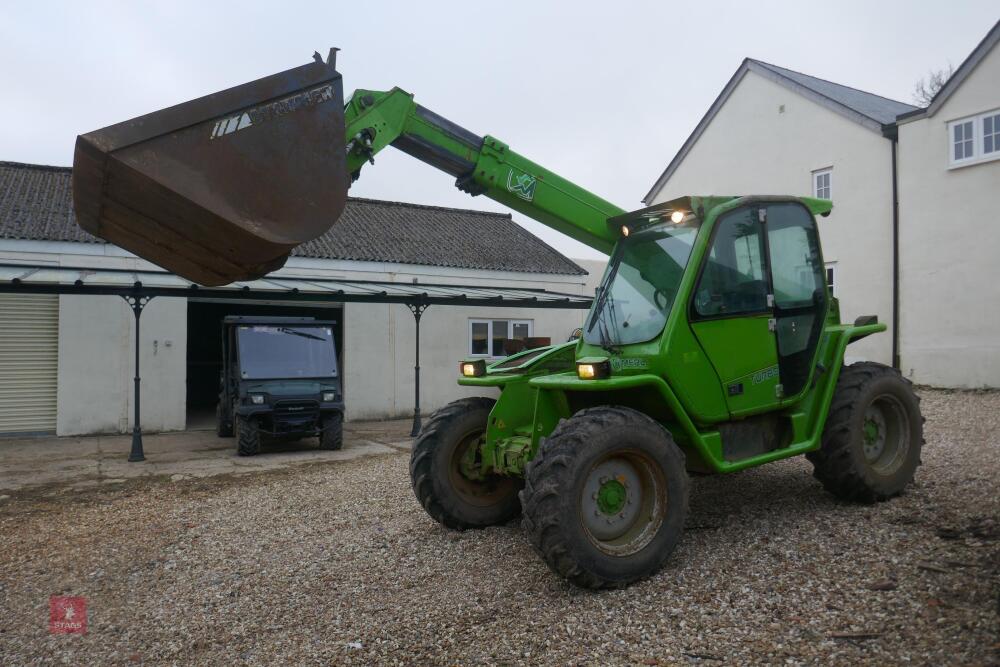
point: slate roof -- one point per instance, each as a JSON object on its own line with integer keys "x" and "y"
{"x": 876, "y": 107}
{"x": 36, "y": 204}
{"x": 872, "y": 111}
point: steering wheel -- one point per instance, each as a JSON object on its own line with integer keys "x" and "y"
{"x": 666, "y": 298}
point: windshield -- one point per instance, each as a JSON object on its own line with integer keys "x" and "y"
{"x": 281, "y": 352}
{"x": 640, "y": 286}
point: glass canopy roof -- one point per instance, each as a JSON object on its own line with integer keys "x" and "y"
{"x": 52, "y": 279}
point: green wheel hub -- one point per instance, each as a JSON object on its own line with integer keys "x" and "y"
{"x": 623, "y": 502}
{"x": 885, "y": 434}
{"x": 611, "y": 497}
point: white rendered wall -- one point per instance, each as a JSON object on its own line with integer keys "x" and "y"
{"x": 950, "y": 245}
{"x": 767, "y": 139}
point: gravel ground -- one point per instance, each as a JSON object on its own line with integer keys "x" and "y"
{"x": 337, "y": 564}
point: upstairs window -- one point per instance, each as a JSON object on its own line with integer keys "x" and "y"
{"x": 991, "y": 133}
{"x": 962, "y": 141}
{"x": 974, "y": 139}
{"x": 823, "y": 184}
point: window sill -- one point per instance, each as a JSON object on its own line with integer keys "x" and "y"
{"x": 974, "y": 161}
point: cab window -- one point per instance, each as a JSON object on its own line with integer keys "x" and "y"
{"x": 734, "y": 280}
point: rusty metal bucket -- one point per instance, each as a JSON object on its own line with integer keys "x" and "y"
{"x": 221, "y": 188}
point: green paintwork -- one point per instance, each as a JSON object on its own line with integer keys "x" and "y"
{"x": 502, "y": 174}
{"x": 687, "y": 377}
{"x": 870, "y": 431}
{"x": 611, "y": 497}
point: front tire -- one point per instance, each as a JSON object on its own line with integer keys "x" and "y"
{"x": 247, "y": 436}
{"x": 606, "y": 497}
{"x": 332, "y": 435}
{"x": 452, "y": 434}
{"x": 873, "y": 435}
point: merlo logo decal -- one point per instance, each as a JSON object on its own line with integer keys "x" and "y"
{"x": 523, "y": 185}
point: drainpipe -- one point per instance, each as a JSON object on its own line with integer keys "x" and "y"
{"x": 891, "y": 132}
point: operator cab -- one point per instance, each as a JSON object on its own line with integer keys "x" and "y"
{"x": 758, "y": 300}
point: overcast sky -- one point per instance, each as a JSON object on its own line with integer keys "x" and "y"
{"x": 603, "y": 93}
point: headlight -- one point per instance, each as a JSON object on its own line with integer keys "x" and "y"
{"x": 329, "y": 396}
{"x": 473, "y": 369}
{"x": 257, "y": 399}
{"x": 593, "y": 370}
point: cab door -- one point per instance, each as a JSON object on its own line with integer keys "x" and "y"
{"x": 800, "y": 297}
{"x": 731, "y": 312}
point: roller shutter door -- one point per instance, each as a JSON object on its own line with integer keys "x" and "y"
{"x": 29, "y": 345}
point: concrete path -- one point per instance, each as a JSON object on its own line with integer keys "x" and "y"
{"x": 77, "y": 462}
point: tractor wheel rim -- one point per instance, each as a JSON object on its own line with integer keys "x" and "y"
{"x": 885, "y": 434}
{"x": 623, "y": 503}
{"x": 483, "y": 492}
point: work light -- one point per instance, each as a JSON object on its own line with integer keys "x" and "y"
{"x": 677, "y": 217}
{"x": 472, "y": 369}
{"x": 593, "y": 370}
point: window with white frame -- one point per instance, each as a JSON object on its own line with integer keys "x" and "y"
{"x": 962, "y": 143}
{"x": 487, "y": 337}
{"x": 991, "y": 133}
{"x": 831, "y": 277}
{"x": 974, "y": 139}
{"x": 823, "y": 183}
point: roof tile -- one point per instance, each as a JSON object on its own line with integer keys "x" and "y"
{"x": 876, "y": 107}
{"x": 36, "y": 203}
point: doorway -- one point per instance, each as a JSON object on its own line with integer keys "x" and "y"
{"x": 204, "y": 348}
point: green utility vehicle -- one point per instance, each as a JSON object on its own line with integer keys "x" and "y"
{"x": 279, "y": 379}
{"x": 712, "y": 346}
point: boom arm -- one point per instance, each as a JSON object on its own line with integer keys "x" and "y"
{"x": 481, "y": 165}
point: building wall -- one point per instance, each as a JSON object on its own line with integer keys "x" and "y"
{"x": 96, "y": 340}
{"x": 949, "y": 244}
{"x": 96, "y": 367}
{"x": 767, "y": 139}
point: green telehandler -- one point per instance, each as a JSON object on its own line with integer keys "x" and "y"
{"x": 713, "y": 344}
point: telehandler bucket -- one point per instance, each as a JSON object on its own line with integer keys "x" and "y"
{"x": 221, "y": 188}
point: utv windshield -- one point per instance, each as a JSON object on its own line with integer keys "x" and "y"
{"x": 284, "y": 352}
{"x": 640, "y": 285}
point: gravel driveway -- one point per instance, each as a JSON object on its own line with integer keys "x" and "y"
{"x": 337, "y": 564}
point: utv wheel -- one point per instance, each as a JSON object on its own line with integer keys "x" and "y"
{"x": 332, "y": 435}
{"x": 223, "y": 427}
{"x": 605, "y": 497}
{"x": 444, "y": 456}
{"x": 873, "y": 435}
{"x": 247, "y": 436}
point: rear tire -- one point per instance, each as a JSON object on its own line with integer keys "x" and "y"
{"x": 332, "y": 435}
{"x": 450, "y": 497}
{"x": 605, "y": 498}
{"x": 223, "y": 423}
{"x": 247, "y": 436}
{"x": 873, "y": 435}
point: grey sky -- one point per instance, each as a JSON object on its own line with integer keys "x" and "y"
{"x": 603, "y": 93}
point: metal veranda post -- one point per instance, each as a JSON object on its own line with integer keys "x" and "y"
{"x": 417, "y": 309}
{"x": 136, "y": 454}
